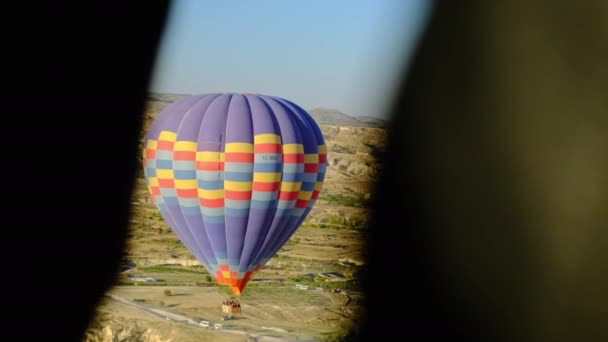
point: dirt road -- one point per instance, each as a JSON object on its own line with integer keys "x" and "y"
{"x": 224, "y": 328}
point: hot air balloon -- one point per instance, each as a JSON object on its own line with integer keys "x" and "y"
{"x": 234, "y": 175}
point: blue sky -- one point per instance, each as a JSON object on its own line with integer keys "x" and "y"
{"x": 341, "y": 54}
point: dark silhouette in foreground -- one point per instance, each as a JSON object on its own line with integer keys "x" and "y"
{"x": 492, "y": 204}
{"x": 77, "y": 77}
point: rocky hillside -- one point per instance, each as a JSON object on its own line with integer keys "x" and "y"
{"x": 325, "y": 116}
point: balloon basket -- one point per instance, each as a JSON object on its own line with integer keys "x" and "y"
{"x": 231, "y": 307}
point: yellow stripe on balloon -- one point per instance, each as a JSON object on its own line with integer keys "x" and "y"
{"x": 153, "y": 181}
{"x": 167, "y": 136}
{"x": 267, "y": 139}
{"x": 311, "y": 158}
{"x": 208, "y": 156}
{"x": 185, "y": 184}
{"x": 293, "y": 148}
{"x": 184, "y": 145}
{"x": 239, "y": 147}
{"x": 151, "y": 144}
{"x": 164, "y": 173}
{"x": 266, "y": 176}
{"x": 238, "y": 186}
{"x": 291, "y": 186}
{"x": 210, "y": 194}
{"x": 304, "y": 195}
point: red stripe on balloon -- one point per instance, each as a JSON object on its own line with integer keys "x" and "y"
{"x": 166, "y": 183}
{"x": 209, "y": 166}
{"x": 301, "y": 203}
{"x": 237, "y": 195}
{"x": 288, "y": 195}
{"x": 211, "y": 203}
{"x": 187, "y": 193}
{"x": 184, "y": 155}
{"x": 310, "y": 167}
{"x": 165, "y": 145}
{"x": 267, "y": 148}
{"x": 291, "y": 158}
{"x": 239, "y": 157}
{"x": 266, "y": 186}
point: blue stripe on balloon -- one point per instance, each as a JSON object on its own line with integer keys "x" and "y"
{"x": 238, "y": 167}
{"x": 184, "y": 165}
{"x": 164, "y": 164}
{"x": 210, "y": 185}
{"x": 237, "y": 204}
{"x": 307, "y": 186}
{"x": 172, "y": 201}
{"x": 285, "y": 204}
{"x": 234, "y": 212}
{"x": 291, "y": 177}
{"x": 238, "y": 176}
{"x": 264, "y": 195}
{"x": 281, "y": 211}
{"x": 209, "y": 175}
{"x": 191, "y": 211}
{"x": 267, "y": 167}
{"x": 168, "y": 192}
{"x": 267, "y": 158}
{"x": 151, "y": 164}
{"x": 164, "y": 155}
{"x": 208, "y": 212}
{"x": 309, "y": 177}
{"x": 184, "y": 174}
{"x": 208, "y": 219}
{"x": 293, "y": 167}
{"x": 263, "y": 204}
{"x": 189, "y": 202}
{"x": 233, "y": 264}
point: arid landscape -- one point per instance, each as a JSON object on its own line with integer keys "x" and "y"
{"x": 308, "y": 291}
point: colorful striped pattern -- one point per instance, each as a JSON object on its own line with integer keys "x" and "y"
{"x": 234, "y": 176}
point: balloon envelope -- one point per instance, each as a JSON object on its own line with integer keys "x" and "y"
{"x": 234, "y": 176}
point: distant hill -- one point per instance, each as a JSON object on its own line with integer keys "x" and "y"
{"x": 165, "y": 97}
{"x": 327, "y": 116}
{"x": 371, "y": 121}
